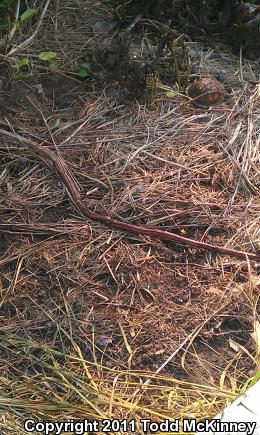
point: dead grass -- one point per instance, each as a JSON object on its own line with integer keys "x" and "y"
{"x": 96, "y": 323}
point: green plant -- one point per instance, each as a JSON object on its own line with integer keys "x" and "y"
{"x": 5, "y": 4}
{"x": 12, "y": 20}
{"x": 28, "y": 14}
{"x": 21, "y": 68}
{"x": 252, "y": 381}
{"x": 6, "y": 18}
{"x": 49, "y": 57}
{"x": 84, "y": 70}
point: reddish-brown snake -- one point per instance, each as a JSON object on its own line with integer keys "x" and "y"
{"x": 51, "y": 159}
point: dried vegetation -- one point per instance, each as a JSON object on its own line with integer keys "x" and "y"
{"x": 88, "y": 313}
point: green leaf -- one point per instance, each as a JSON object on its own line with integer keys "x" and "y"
{"x": 22, "y": 62}
{"x": 252, "y": 381}
{"x": 84, "y": 70}
{"x": 15, "y": 26}
{"x": 22, "y": 76}
{"x": 28, "y": 14}
{"x": 52, "y": 66}
{"x": 85, "y": 66}
{"x": 83, "y": 73}
{"x": 47, "y": 55}
{"x": 171, "y": 94}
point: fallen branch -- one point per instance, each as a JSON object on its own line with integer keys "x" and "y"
{"x": 73, "y": 190}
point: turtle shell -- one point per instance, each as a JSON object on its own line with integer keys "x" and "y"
{"x": 206, "y": 92}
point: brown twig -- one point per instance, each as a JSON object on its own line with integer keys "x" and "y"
{"x": 71, "y": 185}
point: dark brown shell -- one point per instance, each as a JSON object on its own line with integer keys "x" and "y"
{"x": 206, "y": 92}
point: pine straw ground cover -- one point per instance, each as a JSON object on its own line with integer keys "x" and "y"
{"x": 97, "y": 323}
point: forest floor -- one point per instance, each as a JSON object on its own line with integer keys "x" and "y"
{"x": 90, "y": 313}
